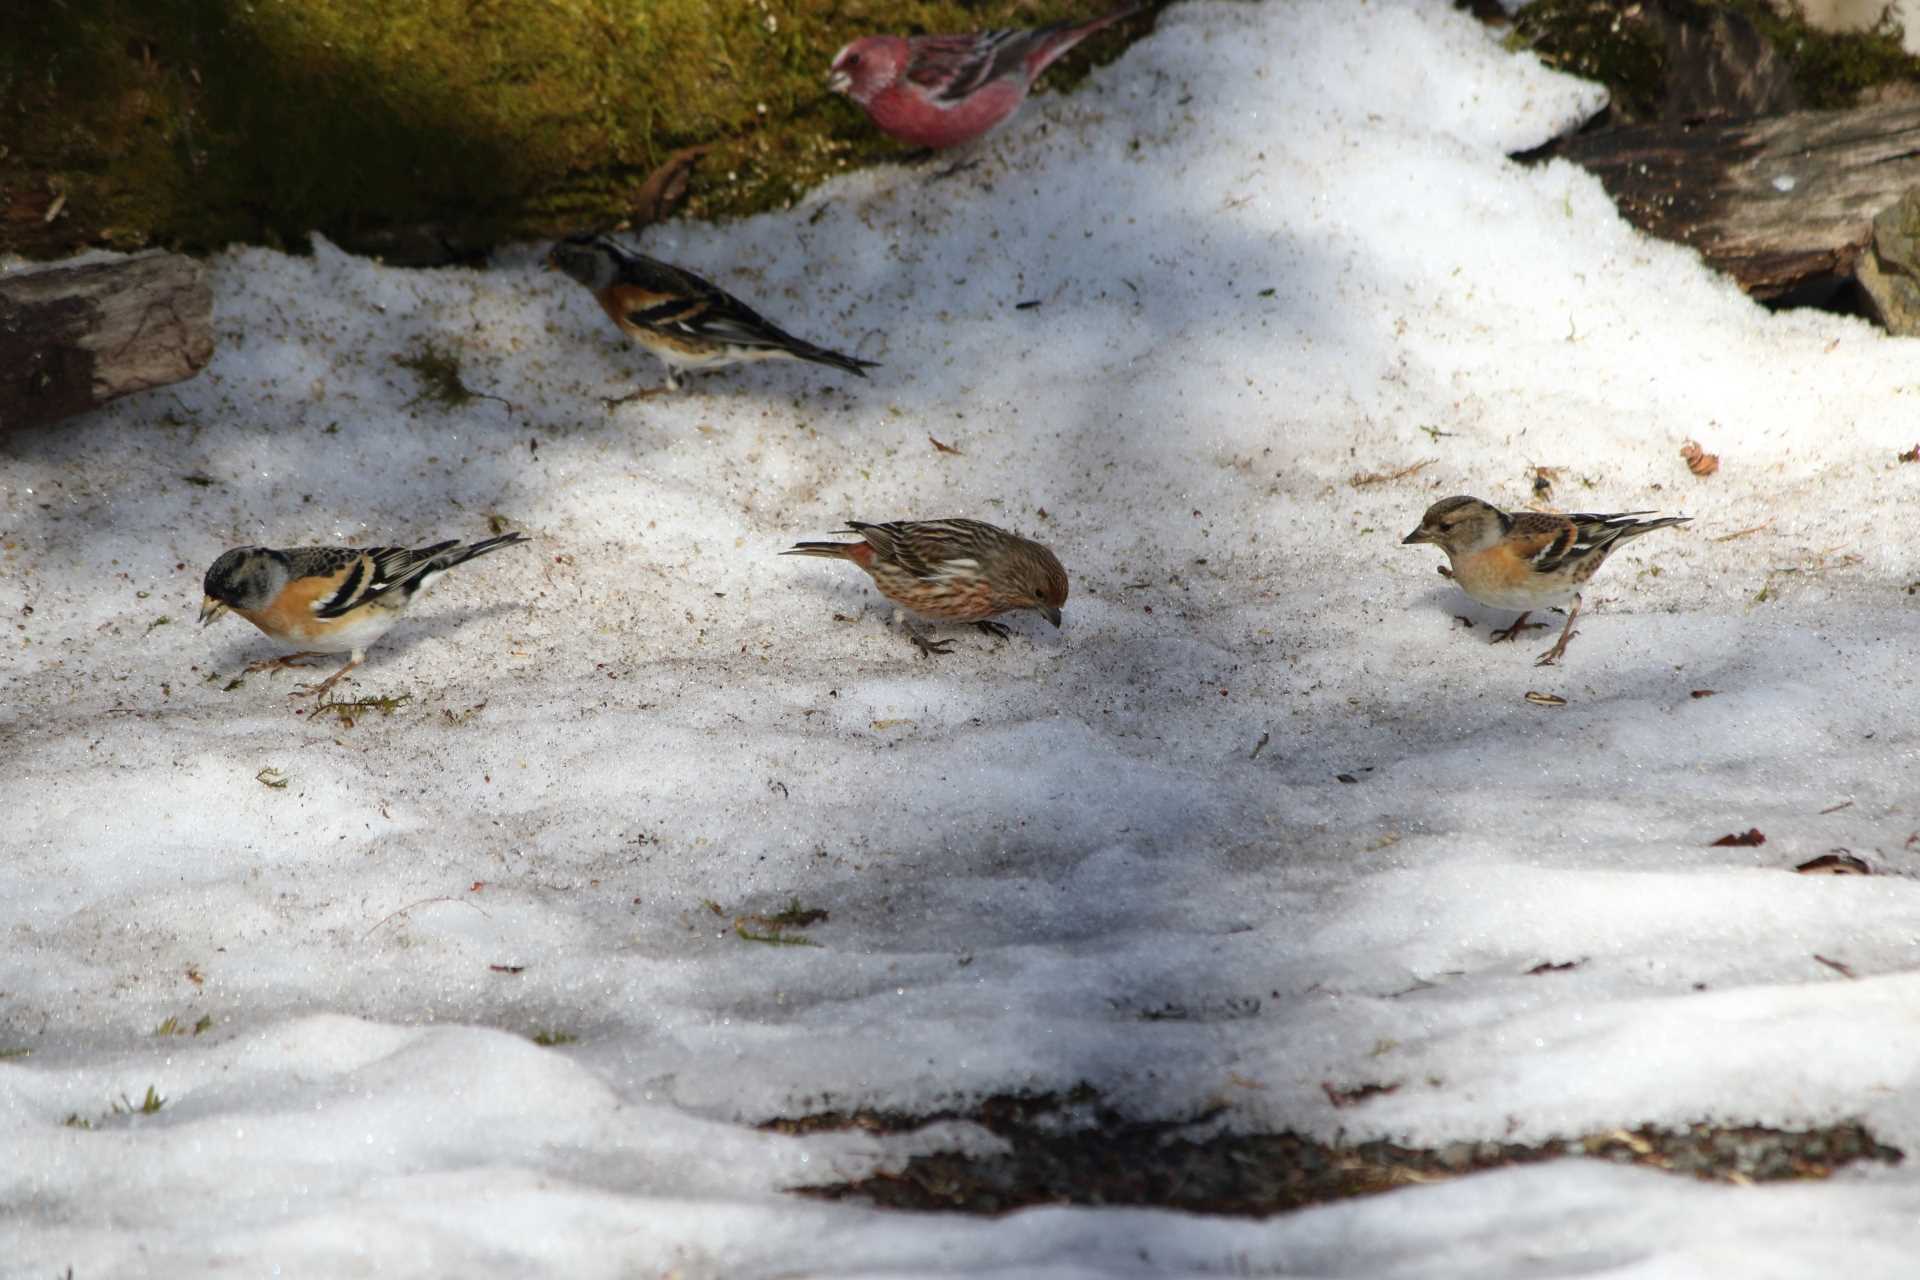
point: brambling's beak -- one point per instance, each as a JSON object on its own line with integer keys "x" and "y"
{"x": 838, "y": 81}
{"x": 1418, "y": 535}
{"x": 211, "y": 609}
{"x": 1050, "y": 613}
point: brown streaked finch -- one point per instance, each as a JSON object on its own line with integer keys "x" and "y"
{"x": 1527, "y": 560}
{"x": 942, "y": 91}
{"x": 688, "y": 322}
{"x": 953, "y": 570}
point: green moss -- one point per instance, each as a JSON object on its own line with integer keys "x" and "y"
{"x": 429, "y": 128}
{"x": 1624, "y": 47}
{"x": 1831, "y": 69}
{"x": 348, "y": 711}
{"x": 439, "y": 372}
{"x": 1595, "y": 40}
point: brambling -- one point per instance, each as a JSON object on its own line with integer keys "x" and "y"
{"x": 1527, "y": 560}
{"x": 953, "y": 570}
{"x": 329, "y": 599}
{"x": 685, "y": 321}
{"x": 943, "y": 91}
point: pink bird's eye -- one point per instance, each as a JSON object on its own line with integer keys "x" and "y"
{"x": 850, "y": 61}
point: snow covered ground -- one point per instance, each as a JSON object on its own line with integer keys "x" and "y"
{"x": 1275, "y": 247}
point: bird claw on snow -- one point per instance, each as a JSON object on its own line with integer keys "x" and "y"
{"x": 1553, "y": 655}
{"x": 292, "y": 662}
{"x": 928, "y": 647}
{"x": 1513, "y": 632}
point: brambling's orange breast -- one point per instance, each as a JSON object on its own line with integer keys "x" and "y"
{"x": 289, "y": 615}
{"x": 1503, "y": 577}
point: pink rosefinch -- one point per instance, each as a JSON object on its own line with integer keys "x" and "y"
{"x": 941, "y": 91}
{"x": 956, "y": 570}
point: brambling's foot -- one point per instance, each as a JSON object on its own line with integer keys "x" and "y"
{"x": 293, "y": 661}
{"x": 928, "y": 647}
{"x": 1567, "y": 633}
{"x": 317, "y": 690}
{"x": 1443, "y": 571}
{"x": 1553, "y": 655}
{"x": 996, "y": 629}
{"x": 1513, "y": 632}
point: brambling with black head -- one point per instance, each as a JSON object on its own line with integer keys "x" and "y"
{"x": 954, "y": 570}
{"x": 326, "y": 600}
{"x": 685, "y": 321}
{"x": 1527, "y": 560}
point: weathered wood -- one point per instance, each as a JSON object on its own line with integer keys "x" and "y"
{"x": 1783, "y": 204}
{"x": 73, "y": 338}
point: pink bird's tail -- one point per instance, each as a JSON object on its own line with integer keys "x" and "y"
{"x": 1049, "y": 44}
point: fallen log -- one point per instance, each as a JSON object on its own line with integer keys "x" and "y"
{"x": 73, "y": 338}
{"x": 1784, "y": 204}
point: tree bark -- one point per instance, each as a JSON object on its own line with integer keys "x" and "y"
{"x": 1784, "y": 204}
{"x": 73, "y": 338}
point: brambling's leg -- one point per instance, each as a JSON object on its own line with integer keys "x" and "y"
{"x": 998, "y": 630}
{"x": 1567, "y": 633}
{"x": 1519, "y": 624}
{"x": 288, "y": 663}
{"x": 302, "y": 690}
{"x": 928, "y": 648}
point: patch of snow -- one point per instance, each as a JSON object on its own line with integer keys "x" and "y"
{"x": 1275, "y": 246}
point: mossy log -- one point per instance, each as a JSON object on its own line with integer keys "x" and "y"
{"x": 72, "y": 338}
{"x": 1785, "y": 204}
{"x": 428, "y": 131}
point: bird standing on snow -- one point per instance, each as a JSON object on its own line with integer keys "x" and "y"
{"x": 954, "y": 570}
{"x": 1527, "y": 560}
{"x": 688, "y": 322}
{"x": 328, "y": 599}
{"x": 941, "y": 91}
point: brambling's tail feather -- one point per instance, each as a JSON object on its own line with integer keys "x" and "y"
{"x": 820, "y": 355}
{"x": 1601, "y": 530}
{"x": 460, "y": 554}
{"x": 1595, "y": 537}
{"x": 731, "y": 321}
{"x": 374, "y": 572}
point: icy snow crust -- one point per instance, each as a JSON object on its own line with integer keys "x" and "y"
{"x": 1272, "y": 245}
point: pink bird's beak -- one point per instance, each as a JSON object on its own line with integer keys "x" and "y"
{"x": 838, "y": 81}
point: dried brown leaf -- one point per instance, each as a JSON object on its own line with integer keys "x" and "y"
{"x": 1837, "y": 863}
{"x": 1699, "y": 461}
{"x": 1359, "y": 1093}
{"x": 1840, "y": 967}
{"x": 1547, "y": 966}
{"x": 666, "y": 186}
